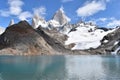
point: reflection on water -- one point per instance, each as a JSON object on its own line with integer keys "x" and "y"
{"x": 81, "y": 67}
{"x": 60, "y": 68}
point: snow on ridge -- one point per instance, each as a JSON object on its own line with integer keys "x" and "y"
{"x": 2, "y": 30}
{"x": 61, "y": 17}
{"x": 38, "y": 21}
{"x": 54, "y": 23}
{"x": 85, "y": 39}
{"x": 11, "y": 22}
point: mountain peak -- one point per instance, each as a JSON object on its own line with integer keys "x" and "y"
{"x": 38, "y": 21}
{"x": 11, "y": 22}
{"x": 61, "y": 17}
{"x": 61, "y": 9}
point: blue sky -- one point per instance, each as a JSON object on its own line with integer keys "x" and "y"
{"x": 104, "y": 13}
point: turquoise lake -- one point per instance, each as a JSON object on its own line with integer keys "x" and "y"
{"x": 60, "y": 67}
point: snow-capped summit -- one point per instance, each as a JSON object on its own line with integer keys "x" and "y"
{"x": 11, "y": 22}
{"x": 38, "y": 21}
{"x": 54, "y": 23}
{"x": 86, "y": 36}
{"x": 61, "y": 17}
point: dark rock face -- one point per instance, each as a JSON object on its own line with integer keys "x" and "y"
{"x": 103, "y": 28}
{"x": 113, "y": 43}
{"x": 22, "y": 39}
{"x": 112, "y": 38}
{"x": 60, "y": 17}
{"x": 53, "y": 40}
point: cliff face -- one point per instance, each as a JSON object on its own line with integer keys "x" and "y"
{"x": 113, "y": 42}
{"x": 22, "y": 39}
{"x": 60, "y": 17}
{"x": 110, "y": 44}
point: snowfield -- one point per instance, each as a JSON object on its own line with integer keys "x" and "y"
{"x": 84, "y": 39}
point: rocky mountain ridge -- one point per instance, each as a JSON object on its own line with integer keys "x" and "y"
{"x": 22, "y": 39}
{"x": 58, "y": 36}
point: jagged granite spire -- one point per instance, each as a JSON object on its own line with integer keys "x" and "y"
{"x": 11, "y": 22}
{"x": 61, "y": 17}
{"x": 38, "y": 21}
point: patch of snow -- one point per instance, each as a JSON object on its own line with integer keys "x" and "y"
{"x": 116, "y": 43}
{"x": 43, "y": 24}
{"x": 11, "y": 22}
{"x": 105, "y": 41}
{"x": 54, "y": 23}
{"x": 38, "y": 21}
{"x": 85, "y": 39}
{"x": 86, "y": 45}
{"x": 2, "y": 30}
{"x": 115, "y": 52}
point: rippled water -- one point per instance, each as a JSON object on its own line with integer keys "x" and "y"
{"x": 60, "y": 68}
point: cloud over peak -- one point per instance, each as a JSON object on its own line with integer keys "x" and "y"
{"x": 15, "y": 6}
{"x": 25, "y": 15}
{"x": 15, "y": 9}
{"x": 40, "y": 11}
{"x": 91, "y": 8}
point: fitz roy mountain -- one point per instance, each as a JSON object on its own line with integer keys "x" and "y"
{"x": 58, "y": 36}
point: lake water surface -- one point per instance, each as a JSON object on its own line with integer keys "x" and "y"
{"x": 60, "y": 67}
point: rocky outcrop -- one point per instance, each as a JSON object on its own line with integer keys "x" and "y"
{"x": 11, "y": 22}
{"x": 53, "y": 39}
{"x": 61, "y": 17}
{"x": 110, "y": 44}
{"x": 38, "y": 21}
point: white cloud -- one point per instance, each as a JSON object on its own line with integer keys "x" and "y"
{"x": 4, "y": 13}
{"x": 114, "y": 23}
{"x": 91, "y": 8}
{"x": 15, "y": 10}
{"x": 102, "y": 19}
{"x": 25, "y": 15}
{"x": 15, "y": 6}
{"x": 107, "y": 0}
{"x": 110, "y": 22}
{"x": 64, "y": 1}
{"x": 40, "y": 11}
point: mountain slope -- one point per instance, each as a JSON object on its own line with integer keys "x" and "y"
{"x": 113, "y": 42}
{"x": 53, "y": 42}
{"x": 86, "y": 36}
{"x": 22, "y": 39}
